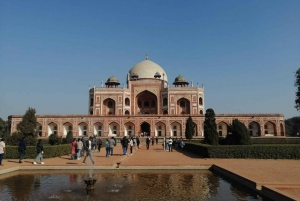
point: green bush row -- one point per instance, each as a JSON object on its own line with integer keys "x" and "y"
{"x": 290, "y": 140}
{"x": 246, "y": 151}
{"x": 49, "y": 151}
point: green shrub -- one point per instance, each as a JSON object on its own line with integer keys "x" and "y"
{"x": 54, "y": 139}
{"x": 246, "y": 151}
{"x": 275, "y": 140}
{"x": 49, "y": 151}
{"x": 69, "y": 138}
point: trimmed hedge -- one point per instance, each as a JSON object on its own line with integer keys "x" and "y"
{"x": 245, "y": 151}
{"x": 49, "y": 151}
{"x": 267, "y": 140}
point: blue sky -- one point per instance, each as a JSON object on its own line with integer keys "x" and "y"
{"x": 244, "y": 52}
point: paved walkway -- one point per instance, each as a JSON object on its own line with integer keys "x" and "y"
{"x": 281, "y": 175}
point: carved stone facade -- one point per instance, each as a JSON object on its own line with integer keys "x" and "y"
{"x": 148, "y": 105}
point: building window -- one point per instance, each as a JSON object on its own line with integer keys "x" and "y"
{"x": 115, "y": 127}
{"x": 55, "y": 127}
{"x": 114, "y": 132}
{"x": 251, "y": 133}
{"x": 200, "y": 101}
{"x": 165, "y": 101}
{"x": 84, "y": 127}
{"x": 159, "y": 127}
{"x": 99, "y": 133}
{"x": 182, "y": 104}
{"x": 100, "y": 127}
{"x": 174, "y": 133}
{"x": 54, "y": 132}
{"x": 159, "y": 133}
{"x": 129, "y": 132}
{"x": 220, "y": 133}
{"x": 110, "y": 104}
{"x": 174, "y": 127}
{"x": 266, "y": 126}
{"x": 220, "y": 127}
{"x": 70, "y": 128}
{"x": 146, "y": 104}
{"x": 129, "y": 127}
{"x": 250, "y": 126}
{"x": 84, "y": 132}
{"x": 201, "y": 112}
{"x": 127, "y": 102}
{"x": 40, "y": 128}
{"x": 266, "y": 132}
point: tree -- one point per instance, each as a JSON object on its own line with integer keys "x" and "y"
{"x": 240, "y": 133}
{"x": 69, "y": 138}
{"x": 189, "y": 128}
{"x": 211, "y": 135}
{"x": 292, "y": 126}
{"x": 28, "y": 125}
{"x": 3, "y": 127}
{"x": 297, "y": 85}
{"x": 54, "y": 139}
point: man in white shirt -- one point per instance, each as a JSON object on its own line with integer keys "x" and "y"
{"x": 170, "y": 142}
{"x": 2, "y": 150}
{"x": 88, "y": 148}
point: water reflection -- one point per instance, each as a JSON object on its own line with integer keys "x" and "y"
{"x": 119, "y": 185}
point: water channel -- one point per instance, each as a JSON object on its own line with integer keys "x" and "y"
{"x": 126, "y": 185}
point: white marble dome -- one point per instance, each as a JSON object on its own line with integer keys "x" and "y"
{"x": 147, "y": 69}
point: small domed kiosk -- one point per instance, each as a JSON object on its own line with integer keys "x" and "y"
{"x": 180, "y": 81}
{"x": 112, "y": 82}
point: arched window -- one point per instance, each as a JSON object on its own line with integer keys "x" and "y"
{"x": 182, "y": 104}
{"x": 110, "y": 104}
{"x": 165, "y": 101}
{"x": 146, "y": 104}
{"x": 200, "y": 101}
{"x": 127, "y": 101}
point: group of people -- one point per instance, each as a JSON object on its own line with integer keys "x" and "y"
{"x": 39, "y": 149}
{"x": 131, "y": 142}
{"x": 168, "y": 144}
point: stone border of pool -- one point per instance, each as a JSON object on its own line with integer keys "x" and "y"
{"x": 275, "y": 179}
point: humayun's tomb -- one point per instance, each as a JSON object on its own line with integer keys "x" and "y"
{"x": 148, "y": 104}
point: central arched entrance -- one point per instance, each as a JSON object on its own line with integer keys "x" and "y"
{"x": 145, "y": 128}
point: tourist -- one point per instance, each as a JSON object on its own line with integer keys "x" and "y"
{"x": 156, "y": 140}
{"x": 166, "y": 144}
{"x": 152, "y": 140}
{"x": 124, "y": 143}
{"x": 94, "y": 143}
{"x": 73, "y": 156}
{"x": 99, "y": 144}
{"x": 83, "y": 148}
{"x": 112, "y": 144}
{"x": 138, "y": 142}
{"x": 170, "y": 142}
{"x": 147, "y": 142}
{"x": 88, "y": 146}
{"x": 22, "y": 149}
{"x": 134, "y": 142}
{"x": 182, "y": 144}
{"x": 107, "y": 147}
{"x": 79, "y": 146}
{"x": 2, "y": 150}
{"x": 131, "y": 145}
{"x": 40, "y": 151}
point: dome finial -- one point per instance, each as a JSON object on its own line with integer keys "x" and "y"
{"x": 146, "y": 55}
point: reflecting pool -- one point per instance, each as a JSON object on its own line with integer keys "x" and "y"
{"x": 117, "y": 185}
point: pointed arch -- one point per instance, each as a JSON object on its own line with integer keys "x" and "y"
{"x": 67, "y": 126}
{"x": 222, "y": 128}
{"x": 254, "y": 129}
{"x": 175, "y": 129}
{"x": 270, "y": 128}
{"x": 183, "y": 106}
{"x": 114, "y": 128}
{"x": 109, "y": 106}
{"x": 98, "y": 129}
{"x": 146, "y": 103}
{"x": 160, "y": 129}
{"x": 83, "y": 129}
{"x": 129, "y": 129}
{"x": 52, "y": 128}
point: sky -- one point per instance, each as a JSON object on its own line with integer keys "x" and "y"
{"x": 245, "y": 53}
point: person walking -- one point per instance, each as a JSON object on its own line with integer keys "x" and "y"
{"x": 131, "y": 145}
{"x": 2, "y": 150}
{"x": 152, "y": 140}
{"x": 112, "y": 144}
{"x": 83, "y": 150}
{"x": 124, "y": 143}
{"x": 107, "y": 147}
{"x": 156, "y": 140}
{"x": 22, "y": 149}
{"x": 138, "y": 142}
{"x": 73, "y": 147}
{"x": 147, "y": 142}
{"x": 99, "y": 144}
{"x": 79, "y": 147}
{"x": 89, "y": 150}
{"x": 40, "y": 151}
{"x": 170, "y": 142}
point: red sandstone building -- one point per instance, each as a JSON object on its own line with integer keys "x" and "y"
{"x": 148, "y": 104}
